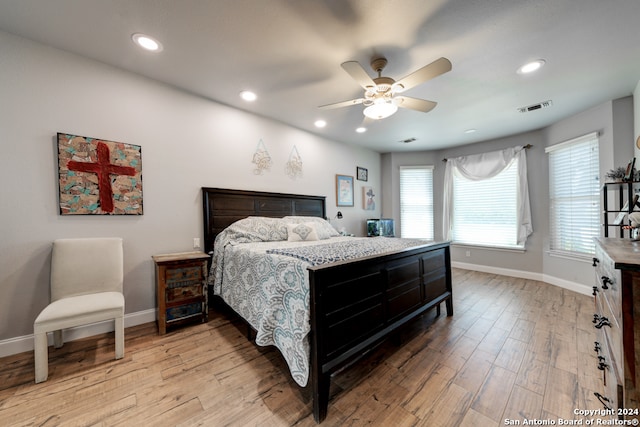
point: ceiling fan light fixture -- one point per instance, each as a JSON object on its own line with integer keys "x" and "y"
{"x": 380, "y": 110}
{"x": 397, "y": 88}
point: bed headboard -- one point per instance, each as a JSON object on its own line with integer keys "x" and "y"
{"x": 222, "y": 207}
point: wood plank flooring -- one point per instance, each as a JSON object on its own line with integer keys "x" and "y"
{"x": 515, "y": 349}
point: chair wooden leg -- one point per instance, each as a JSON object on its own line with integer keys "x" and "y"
{"x": 119, "y": 331}
{"x": 57, "y": 338}
{"x": 41, "y": 355}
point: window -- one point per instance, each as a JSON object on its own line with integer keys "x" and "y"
{"x": 486, "y": 199}
{"x": 485, "y": 212}
{"x": 574, "y": 195}
{"x": 416, "y": 202}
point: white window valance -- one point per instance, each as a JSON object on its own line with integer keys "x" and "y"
{"x": 484, "y": 166}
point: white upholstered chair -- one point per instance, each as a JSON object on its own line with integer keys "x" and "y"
{"x": 86, "y": 287}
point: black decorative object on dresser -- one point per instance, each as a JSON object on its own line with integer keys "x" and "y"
{"x": 617, "y": 320}
{"x": 181, "y": 280}
{"x": 626, "y": 204}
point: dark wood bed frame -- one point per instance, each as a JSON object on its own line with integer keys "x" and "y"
{"x": 355, "y": 304}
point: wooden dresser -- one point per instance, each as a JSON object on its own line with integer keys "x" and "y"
{"x": 181, "y": 288}
{"x": 617, "y": 320}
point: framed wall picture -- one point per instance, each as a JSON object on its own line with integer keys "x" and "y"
{"x": 99, "y": 177}
{"x": 362, "y": 174}
{"x": 368, "y": 199}
{"x": 344, "y": 190}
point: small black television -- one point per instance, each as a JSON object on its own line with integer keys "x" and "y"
{"x": 381, "y": 227}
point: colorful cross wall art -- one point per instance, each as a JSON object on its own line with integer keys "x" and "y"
{"x": 98, "y": 177}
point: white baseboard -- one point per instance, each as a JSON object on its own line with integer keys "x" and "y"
{"x": 25, "y": 343}
{"x": 572, "y": 286}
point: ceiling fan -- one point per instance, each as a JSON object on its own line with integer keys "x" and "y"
{"x": 382, "y": 94}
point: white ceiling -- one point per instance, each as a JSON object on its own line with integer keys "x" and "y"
{"x": 290, "y": 51}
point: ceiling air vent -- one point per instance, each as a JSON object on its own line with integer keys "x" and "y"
{"x": 535, "y": 107}
{"x": 408, "y": 140}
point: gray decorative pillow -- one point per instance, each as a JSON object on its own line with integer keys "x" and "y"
{"x": 304, "y": 232}
{"x": 324, "y": 229}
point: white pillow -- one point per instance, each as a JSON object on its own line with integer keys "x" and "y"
{"x": 304, "y": 232}
{"x": 258, "y": 229}
{"x": 324, "y": 229}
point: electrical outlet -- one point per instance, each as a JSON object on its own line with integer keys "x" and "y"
{"x": 196, "y": 243}
{"x": 468, "y": 253}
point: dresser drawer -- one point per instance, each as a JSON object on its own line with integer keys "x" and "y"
{"x": 608, "y": 283}
{"x": 610, "y": 396}
{"x": 609, "y": 334}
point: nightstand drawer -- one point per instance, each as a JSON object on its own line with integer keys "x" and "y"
{"x": 184, "y": 292}
{"x": 184, "y": 275}
{"x": 183, "y": 311}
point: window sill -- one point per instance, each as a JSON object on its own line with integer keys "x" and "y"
{"x": 588, "y": 258}
{"x": 489, "y": 247}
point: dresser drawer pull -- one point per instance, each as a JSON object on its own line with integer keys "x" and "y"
{"x": 597, "y": 348}
{"x": 605, "y": 282}
{"x": 601, "y": 364}
{"x": 595, "y": 261}
{"x": 603, "y": 400}
{"x": 603, "y": 322}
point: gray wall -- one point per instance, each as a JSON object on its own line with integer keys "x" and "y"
{"x": 614, "y": 121}
{"x": 187, "y": 143}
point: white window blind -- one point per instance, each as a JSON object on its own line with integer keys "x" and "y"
{"x": 485, "y": 212}
{"x": 416, "y": 202}
{"x": 574, "y": 195}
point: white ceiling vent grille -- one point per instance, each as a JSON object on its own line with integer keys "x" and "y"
{"x": 407, "y": 141}
{"x": 535, "y": 107}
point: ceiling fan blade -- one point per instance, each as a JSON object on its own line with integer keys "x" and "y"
{"x": 428, "y": 72}
{"x": 342, "y": 104}
{"x": 414, "y": 103}
{"x": 358, "y": 73}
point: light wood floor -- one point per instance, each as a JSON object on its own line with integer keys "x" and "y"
{"x": 514, "y": 349}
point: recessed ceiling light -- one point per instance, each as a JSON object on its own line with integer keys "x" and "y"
{"x": 146, "y": 42}
{"x": 470, "y": 130}
{"x": 247, "y": 95}
{"x": 320, "y": 123}
{"x": 361, "y": 130}
{"x": 532, "y": 66}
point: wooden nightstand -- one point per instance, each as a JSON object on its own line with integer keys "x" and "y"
{"x": 181, "y": 280}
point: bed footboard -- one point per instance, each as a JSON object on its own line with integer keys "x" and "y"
{"x": 356, "y": 304}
